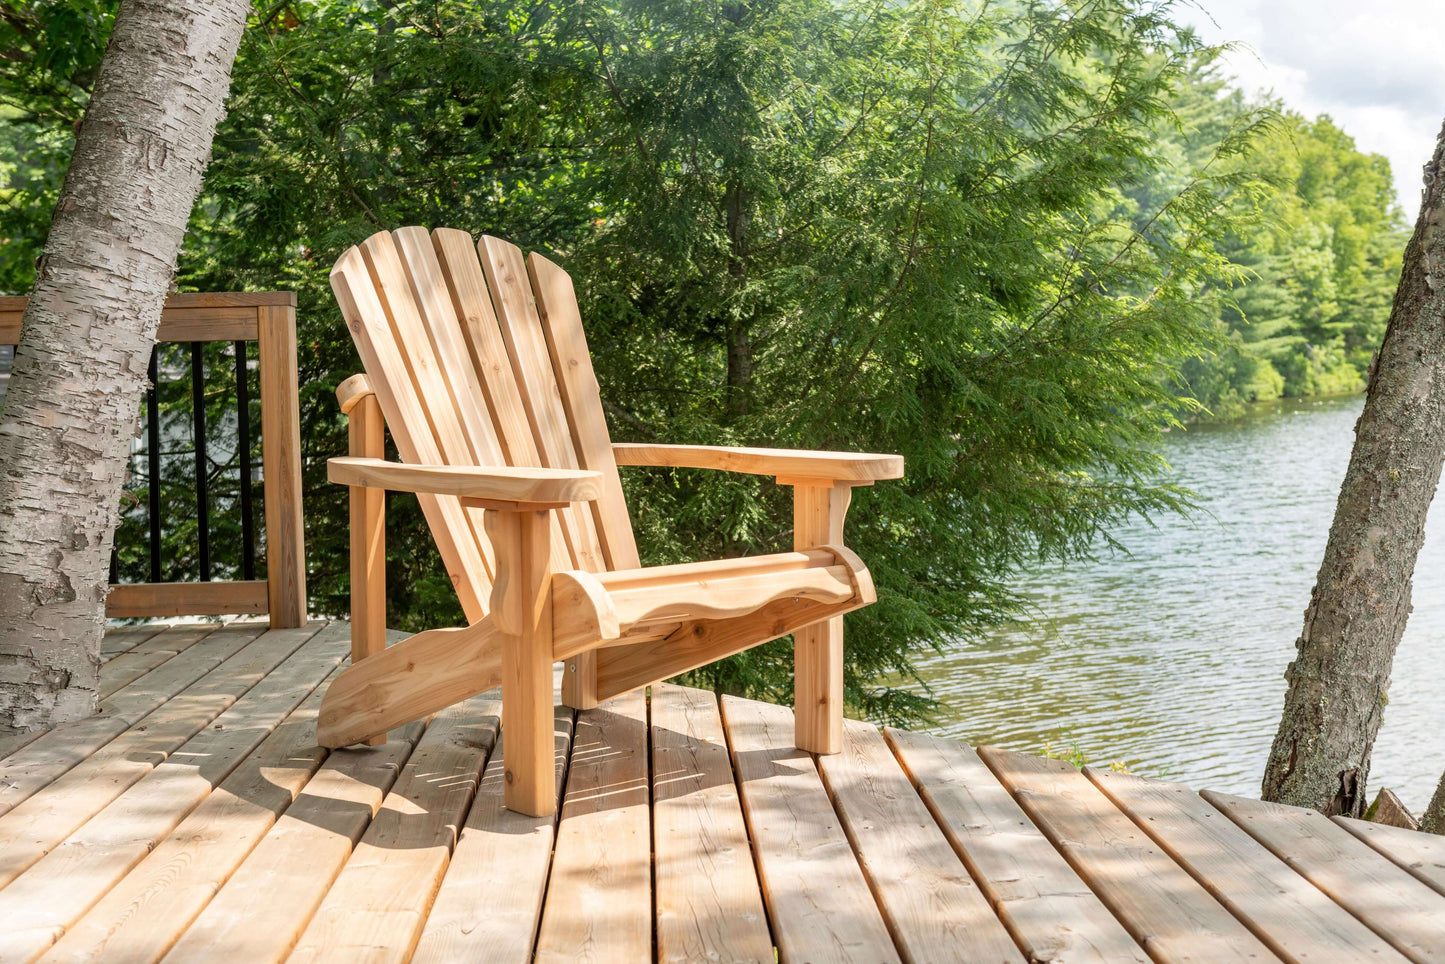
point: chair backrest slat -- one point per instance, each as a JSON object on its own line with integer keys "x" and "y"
{"x": 429, "y": 382}
{"x": 478, "y": 357}
{"x": 521, "y": 326}
{"x": 376, "y": 343}
{"x": 429, "y": 288}
{"x": 457, "y": 256}
{"x": 582, "y": 399}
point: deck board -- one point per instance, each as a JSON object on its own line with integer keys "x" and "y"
{"x": 37, "y": 908}
{"x": 599, "y": 895}
{"x": 1293, "y": 917}
{"x": 143, "y": 915}
{"x": 501, "y": 854}
{"x": 930, "y": 903}
{"x": 1385, "y": 897}
{"x": 377, "y": 906}
{"x": 196, "y": 820}
{"x": 817, "y": 898}
{"x": 287, "y": 876}
{"x": 1045, "y": 905}
{"x": 709, "y": 902}
{"x": 1161, "y": 905}
{"x": 56, "y": 752}
{"x": 1422, "y": 854}
{"x": 34, "y": 827}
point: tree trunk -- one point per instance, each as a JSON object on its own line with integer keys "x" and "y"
{"x": 86, "y": 338}
{"x": 1433, "y": 820}
{"x": 1339, "y": 680}
{"x": 739, "y": 341}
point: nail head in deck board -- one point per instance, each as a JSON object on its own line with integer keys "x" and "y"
{"x": 599, "y": 896}
{"x": 1422, "y": 854}
{"x": 145, "y": 913}
{"x": 818, "y": 900}
{"x": 376, "y": 907}
{"x": 1045, "y": 905}
{"x": 504, "y": 855}
{"x": 1391, "y": 902}
{"x": 286, "y": 877}
{"x": 931, "y": 904}
{"x": 1164, "y": 908}
{"x": 93, "y": 742}
{"x": 709, "y": 901}
{"x": 1287, "y": 912}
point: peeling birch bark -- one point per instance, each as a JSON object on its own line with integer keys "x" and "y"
{"x": 86, "y": 337}
{"x": 1340, "y": 679}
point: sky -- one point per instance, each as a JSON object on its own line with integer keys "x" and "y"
{"x": 1376, "y": 66}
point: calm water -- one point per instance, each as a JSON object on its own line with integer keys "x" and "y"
{"x": 1172, "y": 658}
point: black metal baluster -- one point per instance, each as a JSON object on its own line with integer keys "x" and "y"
{"x": 243, "y": 425}
{"x": 198, "y": 425}
{"x": 114, "y": 565}
{"x": 153, "y": 461}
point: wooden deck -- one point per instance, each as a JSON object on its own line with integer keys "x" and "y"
{"x": 195, "y": 819}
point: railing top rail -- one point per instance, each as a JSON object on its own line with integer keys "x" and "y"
{"x": 188, "y": 316}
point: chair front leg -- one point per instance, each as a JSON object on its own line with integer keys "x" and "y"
{"x": 819, "y": 507}
{"x": 365, "y": 433}
{"x": 522, "y": 611}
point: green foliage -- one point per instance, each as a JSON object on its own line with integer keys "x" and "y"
{"x": 948, "y": 229}
{"x": 1320, "y": 267}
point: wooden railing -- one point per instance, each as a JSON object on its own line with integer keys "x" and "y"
{"x": 269, "y": 319}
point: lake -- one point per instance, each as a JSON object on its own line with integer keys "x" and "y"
{"x": 1171, "y": 658}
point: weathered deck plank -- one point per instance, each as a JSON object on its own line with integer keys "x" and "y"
{"x": 1046, "y": 906}
{"x": 33, "y": 828}
{"x": 1163, "y": 908}
{"x": 1397, "y": 906}
{"x": 151, "y": 650}
{"x": 1422, "y": 854}
{"x": 287, "y": 875}
{"x": 932, "y": 907}
{"x": 817, "y": 898}
{"x": 376, "y": 907}
{"x": 709, "y": 901}
{"x": 53, "y": 893}
{"x": 53, "y": 754}
{"x": 144, "y": 914}
{"x": 599, "y": 896}
{"x": 117, "y": 641}
{"x": 501, "y": 854}
{"x": 1292, "y": 916}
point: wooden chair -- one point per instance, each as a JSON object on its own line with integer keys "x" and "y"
{"x": 476, "y": 359}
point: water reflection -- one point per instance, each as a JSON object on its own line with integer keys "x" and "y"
{"x": 1172, "y": 658}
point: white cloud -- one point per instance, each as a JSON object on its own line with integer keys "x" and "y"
{"x": 1378, "y": 68}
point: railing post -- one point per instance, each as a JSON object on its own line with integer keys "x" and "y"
{"x": 281, "y": 464}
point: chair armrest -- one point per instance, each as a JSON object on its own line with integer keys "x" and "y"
{"x": 350, "y": 392}
{"x": 861, "y": 467}
{"x": 540, "y": 487}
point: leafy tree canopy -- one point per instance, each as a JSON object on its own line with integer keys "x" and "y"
{"x": 984, "y": 235}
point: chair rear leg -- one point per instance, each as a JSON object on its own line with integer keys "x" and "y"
{"x": 522, "y": 608}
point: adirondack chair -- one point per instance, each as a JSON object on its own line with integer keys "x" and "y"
{"x": 476, "y": 360}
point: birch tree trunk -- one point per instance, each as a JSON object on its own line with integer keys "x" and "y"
{"x": 80, "y": 368}
{"x": 1338, "y": 682}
